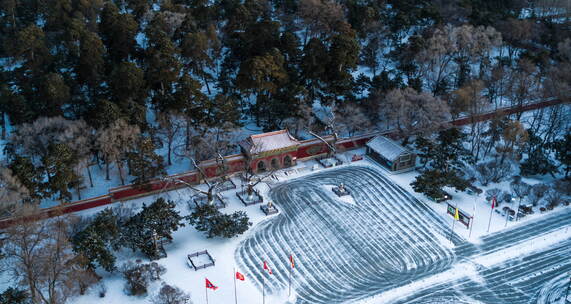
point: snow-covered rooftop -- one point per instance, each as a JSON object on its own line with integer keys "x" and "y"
{"x": 386, "y": 147}
{"x": 269, "y": 142}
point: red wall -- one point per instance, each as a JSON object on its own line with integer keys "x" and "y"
{"x": 237, "y": 163}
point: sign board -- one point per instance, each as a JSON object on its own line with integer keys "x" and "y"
{"x": 463, "y": 217}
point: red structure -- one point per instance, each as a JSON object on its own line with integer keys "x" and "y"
{"x": 270, "y": 151}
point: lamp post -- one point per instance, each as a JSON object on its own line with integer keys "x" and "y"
{"x": 517, "y": 211}
{"x": 508, "y": 214}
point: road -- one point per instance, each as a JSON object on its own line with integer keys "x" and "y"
{"x": 386, "y": 239}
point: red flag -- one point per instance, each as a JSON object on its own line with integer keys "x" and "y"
{"x": 291, "y": 261}
{"x": 210, "y": 285}
{"x": 240, "y": 276}
{"x": 493, "y": 202}
{"x": 267, "y": 268}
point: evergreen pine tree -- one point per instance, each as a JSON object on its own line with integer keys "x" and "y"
{"x": 148, "y": 229}
{"x": 14, "y": 296}
{"x": 30, "y": 176}
{"x": 207, "y": 218}
{"x": 537, "y": 162}
{"x": 563, "y": 152}
{"x": 59, "y": 164}
{"x": 201, "y": 217}
{"x": 91, "y": 245}
{"x": 430, "y": 183}
{"x": 98, "y": 240}
{"x": 144, "y": 163}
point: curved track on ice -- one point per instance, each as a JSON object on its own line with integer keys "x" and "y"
{"x": 346, "y": 252}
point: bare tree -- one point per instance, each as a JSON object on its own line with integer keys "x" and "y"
{"x": 320, "y": 17}
{"x": 41, "y": 257}
{"x": 170, "y": 126}
{"x": 514, "y": 136}
{"x": 517, "y": 34}
{"x": 450, "y": 50}
{"x": 351, "y": 119}
{"x": 207, "y": 143}
{"x": 34, "y": 140}
{"x": 304, "y": 119}
{"x": 524, "y": 84}
{"x": 496, "y": 80}
{"x": 12, "y": 192}
{"x": 411, "y": 112}
{"x": 331, "y": 128}
{"x": 23, "y": 247}
{"x": 470, "y": 99}
{"x": 114, "y": 142}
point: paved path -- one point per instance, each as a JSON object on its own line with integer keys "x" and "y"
{"x": 348, "y": 251}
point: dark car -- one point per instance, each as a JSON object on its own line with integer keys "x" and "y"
{"x": 443, "y": 196}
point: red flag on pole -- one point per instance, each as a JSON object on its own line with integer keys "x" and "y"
{"x": 210, "y": 285}
{"x": 291, "y": 261}
{"x": 267, "y": 268}
{"x": 493, "y": 202}
{"x": 240, "y": 276}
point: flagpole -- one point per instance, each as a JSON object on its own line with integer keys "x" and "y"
{"x": 206, "y": 289}
{"x": 473, "y": 217}
{"x": 289, "y": 293}
{"x": 235, "y": 293}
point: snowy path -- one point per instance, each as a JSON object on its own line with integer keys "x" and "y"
{"x": 349, "y": 252}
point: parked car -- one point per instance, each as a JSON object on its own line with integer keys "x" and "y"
{"x": 474, "y": 190}
{"x": 444, "y": 196}
{"x": 525, "y": 210}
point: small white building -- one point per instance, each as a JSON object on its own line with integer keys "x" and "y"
{"x": 390, "y": 154}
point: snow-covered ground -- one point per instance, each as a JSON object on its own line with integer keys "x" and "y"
{"x": 476, "y": 206}
{"x": 382, "y": 244}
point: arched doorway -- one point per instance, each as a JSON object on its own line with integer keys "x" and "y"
{"x": 275, "y": 163}
{"x": 261, "y": 166}
{"x": 287, "y": 161}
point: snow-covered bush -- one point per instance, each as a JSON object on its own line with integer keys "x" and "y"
{"x": 138, "y": 276}
{"x": 552, "y": 199}
{"x": 563, "y": 186}
{"x": 493, "y": 171}
{"x": 490, "y": 193}
{"x": 537, "y": 192}
{"x": 519, "y": 188}
{"x": 171, "y": 295}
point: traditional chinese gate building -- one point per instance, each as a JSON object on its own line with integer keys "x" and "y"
{"x": 270, "y": 151}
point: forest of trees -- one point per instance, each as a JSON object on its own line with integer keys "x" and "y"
{"x": 107, "y": 84}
